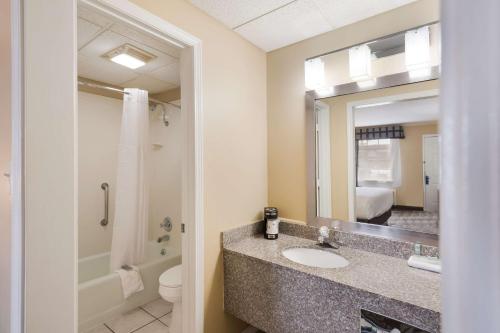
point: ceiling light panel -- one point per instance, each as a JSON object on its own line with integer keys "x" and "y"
{"x": 111, "y": 40}
{"x": 100, "y": 69}
{"x": 236, "y": 12}
{"x": 129, "y": 56}
{"x": 298, "y": 21}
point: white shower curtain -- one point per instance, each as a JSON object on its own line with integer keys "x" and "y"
{"x": 130, "y": 226}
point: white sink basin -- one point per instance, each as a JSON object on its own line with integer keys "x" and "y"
{"x": 315, "y": 258}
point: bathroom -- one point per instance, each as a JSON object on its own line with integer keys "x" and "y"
{"x": 120, "y": 152}
{"x": 229, "y": 166}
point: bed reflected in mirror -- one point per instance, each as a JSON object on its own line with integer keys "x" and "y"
{"x": 377, "y": 157}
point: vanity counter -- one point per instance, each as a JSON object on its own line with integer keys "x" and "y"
{"x": 275, "y": 294}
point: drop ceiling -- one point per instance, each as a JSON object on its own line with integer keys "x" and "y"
{"x": 98, "y": 34}
{"x": 272, "y": 24}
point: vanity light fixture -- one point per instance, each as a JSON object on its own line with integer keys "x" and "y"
{"x": 129, "y": 56}
{"x": 325, "y": 91}
{"x": 367, "y": 83}
{"x": 314, "y": 74}
{"x": 418, "y": 52}
{"x": 360, "y": 66}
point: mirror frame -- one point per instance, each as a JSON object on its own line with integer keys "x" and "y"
{"x": 387, "y": 81}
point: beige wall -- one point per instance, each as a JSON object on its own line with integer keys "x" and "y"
{"x": 411, "y": 191}
{"x": 235, "y": 139}
{"x": 338, "y": 106}
{"x": 5, "y": 142}
{"x": 99, "y": 121}
{"x": 286, "y": 111}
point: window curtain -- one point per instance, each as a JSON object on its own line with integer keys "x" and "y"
{"x": 379, "y": 163}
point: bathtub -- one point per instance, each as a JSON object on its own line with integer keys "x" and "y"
{"x": 100, "y": 293}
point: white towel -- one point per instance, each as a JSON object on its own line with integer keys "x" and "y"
{"x": 427, "y": 263}
{"x": 131, "y": 280}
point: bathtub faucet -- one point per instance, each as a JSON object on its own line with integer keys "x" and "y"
{"x": 163, "y": 238}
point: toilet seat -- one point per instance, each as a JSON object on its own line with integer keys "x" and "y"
{"x": 172, "y": 278}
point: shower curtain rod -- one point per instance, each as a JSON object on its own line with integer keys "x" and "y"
{"x": 121, "y": 91}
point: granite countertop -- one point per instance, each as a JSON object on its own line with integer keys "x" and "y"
{"x": 375, "y": 273}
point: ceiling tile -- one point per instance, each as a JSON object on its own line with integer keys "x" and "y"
{"x": 94, "y": 17}
{"x": 150, "y": 41}
{"x": 86, "y": 31}
{"x": 343, "y": 12}
{"x": 169, "y": 73}
{"x": 148, "y": 83}
{"x": 293, "y": 23}
{"x": 100, "y": 69}
{"x": 235, "y": 12}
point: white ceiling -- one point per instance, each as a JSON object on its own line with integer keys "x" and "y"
{"x": 98, "y": 34}
{"x": 404, "y": 112}
{"x": 272, "y": 24}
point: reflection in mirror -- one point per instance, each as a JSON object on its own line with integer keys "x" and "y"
{"x": 383, "y": 168}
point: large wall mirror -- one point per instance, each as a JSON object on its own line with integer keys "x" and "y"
{"x": 373, "y": 129}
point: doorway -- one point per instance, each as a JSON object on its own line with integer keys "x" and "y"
{"x": 431, "y": 168}
{"x": 52, "y": 158}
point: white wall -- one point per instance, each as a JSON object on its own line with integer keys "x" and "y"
{"x": 166, "y": 181}
{"x": 99, "y": 121}
{"x": 5, "y": 141}
{"x": 50, "y": 160}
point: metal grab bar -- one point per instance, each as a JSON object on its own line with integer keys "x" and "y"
{"x": 105, "y": 187}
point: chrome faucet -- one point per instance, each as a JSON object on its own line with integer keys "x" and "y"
{"x": 324, "y": 238}
{"x": 163, "y": 238}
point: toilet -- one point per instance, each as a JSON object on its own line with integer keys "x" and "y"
{"x": 171, "y": 291}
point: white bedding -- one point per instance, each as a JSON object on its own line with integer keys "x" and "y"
{"x": 373, "y": 201}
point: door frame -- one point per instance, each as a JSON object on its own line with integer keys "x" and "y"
{"x": 423, "y": 164}
{"x": 192, "y": 178}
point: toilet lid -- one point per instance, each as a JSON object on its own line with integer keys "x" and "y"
{"x": 172, "y": 277}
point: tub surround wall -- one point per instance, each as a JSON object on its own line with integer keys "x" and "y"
{"x": 99, "y": 133}
{"x": 276, "y": 295}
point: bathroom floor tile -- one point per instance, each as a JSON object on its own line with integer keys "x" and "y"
{"x": 158, "y": 308}
{"x": 99, "y": 329}
{"x": 130, "y": 321}
{"x": 166, "y": 319}
{"x": 154, "y": 327}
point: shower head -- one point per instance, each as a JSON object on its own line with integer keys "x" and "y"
{"x": 161, "y": 110}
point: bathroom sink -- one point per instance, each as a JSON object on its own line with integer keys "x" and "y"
{"x": 315, "y": 258}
